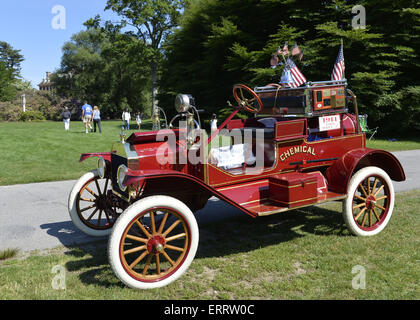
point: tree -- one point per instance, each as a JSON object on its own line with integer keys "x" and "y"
{"x": 400, "y": 105}
{"x": 79, "y": 75}
{"x": 7, "y": 90}
{"x": 221, "y": 43}
{"x": 151, "y": 20}
{"x": 105, "y": 67}
{"x": 11, "y": 58}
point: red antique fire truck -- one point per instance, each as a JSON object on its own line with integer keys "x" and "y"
{"x": 298, "y": 147}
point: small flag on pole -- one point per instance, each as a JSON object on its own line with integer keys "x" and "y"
{"x": 301, "y": 54}
{"x": 297, "y": 76}
{"x": 274, "y": 61}
{"x": 339, "y": 66}
{"x": 285, "y": 49}
{"x": 295, "y": 50}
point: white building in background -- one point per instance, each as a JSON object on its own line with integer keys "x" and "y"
{"x": 46, "y": 84}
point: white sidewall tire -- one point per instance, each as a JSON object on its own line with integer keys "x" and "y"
{"x": 73, "y": 207}
{"x": 348, "y": 202}
{"x": 127, "y": 217}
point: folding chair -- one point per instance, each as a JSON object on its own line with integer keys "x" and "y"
{"x": 365, "y": 128}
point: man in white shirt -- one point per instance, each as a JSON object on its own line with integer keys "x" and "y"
{"x": 126, "y": 117}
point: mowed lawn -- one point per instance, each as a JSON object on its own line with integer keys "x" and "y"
{"x": 301, "y": 254}
{"x": 43, "y": 151}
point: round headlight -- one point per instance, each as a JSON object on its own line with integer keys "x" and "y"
{"x": 121, "y": 173}
{"x": 101, "y": 167}
{"x": 182, "y": 103}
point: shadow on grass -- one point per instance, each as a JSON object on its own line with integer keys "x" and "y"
{"x": 94, "y": 258}
{"x": 239, "y": 234}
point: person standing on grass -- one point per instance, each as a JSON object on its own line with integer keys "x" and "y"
{"x": 66, "y": 118}
{"x": 126, "y": 117}
{"x": 87, "y": 112}
{"x": 138, "y": 120}
{"x": 213, "y": 123}
{"x": 97, "y": 119}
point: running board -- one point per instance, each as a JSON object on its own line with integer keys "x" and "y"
{"x": 269, "y": 207}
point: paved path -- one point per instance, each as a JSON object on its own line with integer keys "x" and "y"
{"x": 35, "y": 216}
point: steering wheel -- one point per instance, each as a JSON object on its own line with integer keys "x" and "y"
{"x": 276, "y": 85}
{"x": 246, "y": 98}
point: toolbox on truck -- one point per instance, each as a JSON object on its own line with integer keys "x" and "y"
{"x": 293, "y": 189}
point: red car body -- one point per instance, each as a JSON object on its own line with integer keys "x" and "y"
{"x": 302, "y": 147}
{"x": 333, "y": 159}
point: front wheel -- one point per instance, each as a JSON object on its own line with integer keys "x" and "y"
{"x": 370, "y": 202}
{"x": 153, "y": 242}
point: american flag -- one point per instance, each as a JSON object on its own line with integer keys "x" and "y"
{"x": 285, "y": 49}
{"x": 297, "y": 76}
{"x": 339, "y": 67}
{"x": 295, "y": 50}
{"x": 301, "y": 54}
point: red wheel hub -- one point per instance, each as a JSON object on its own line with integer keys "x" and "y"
{"x": 155, "y": 244}
{"x": 370, "y": 202}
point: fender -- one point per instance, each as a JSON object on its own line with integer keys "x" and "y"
{"x": 340, "y": 172}
{"x": 105, "y": 155}
{"x": 138, "y": 177}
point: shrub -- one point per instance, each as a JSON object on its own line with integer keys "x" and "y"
{"x": 31, "y": 116}
{"x": 39, "y": 106}
{"x": 9, "y": 111}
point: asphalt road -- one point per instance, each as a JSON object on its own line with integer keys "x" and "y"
{"x": 35, "y": 216}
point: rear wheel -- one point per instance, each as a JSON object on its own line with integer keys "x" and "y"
{"x": 370, "y": 202}
{"x": 153, "y": 242}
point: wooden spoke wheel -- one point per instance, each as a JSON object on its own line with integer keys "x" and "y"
{"x": 247, "y": 98}
{"x": 153, "y": 242}
{"x": 92, "y": 206}
{"x": 370, "y": 202}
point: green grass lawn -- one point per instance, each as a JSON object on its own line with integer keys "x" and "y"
{"x": 398, "y": 145}
{"x": 301, "y": 254}
{"x": 43, "y": 151}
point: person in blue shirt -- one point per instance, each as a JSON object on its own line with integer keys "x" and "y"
{"x": 87, "y": 112}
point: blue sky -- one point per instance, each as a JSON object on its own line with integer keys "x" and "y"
{"x": 28, "y": 25}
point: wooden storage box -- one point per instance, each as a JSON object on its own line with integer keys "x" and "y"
{"x": 293, "y": 189}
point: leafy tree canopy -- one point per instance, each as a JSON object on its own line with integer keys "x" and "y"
{"x": 11, "y": 58}
{"x": 10, "y": 66}
{"x": 105, "y": 67}
{"x": 221, "y": 43}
